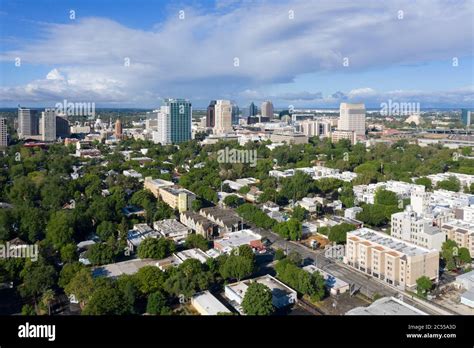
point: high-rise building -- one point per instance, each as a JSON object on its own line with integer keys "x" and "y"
{"x": 352, "y": 118}
{"x": 223, "y": 117}
{"x": 314, "y": 128}
{"x": 466, "y": 117}
{"x": 211, "y": 116}
{"x": 27, "y": 123}
{"x": 267, "y": 109}
{"x": 235, "y": 113}
{"x": 62, "y": 127}
{"x": 174, "y": 122}
{"x": 3, "y": 133}
{"x": 118, "y": 129}
{"x": 253, "y": 110}
{"x": 48, "y": 125}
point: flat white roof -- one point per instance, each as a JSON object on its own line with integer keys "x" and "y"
{"x": 387, "y": 306}
{"x": 124, "y": 267}
{"x": 331, "y": 281}
{"x": 209, "y": 303}
{"x": 389, "y": 242}
{"x": 235, "y": 239}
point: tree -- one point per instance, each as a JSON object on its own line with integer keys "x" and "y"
{"x": 37, "y": 278}
{"x": 100, "y": 254}
{"x": 373, "y": 215}
{"x": 279, "y": 255}
{"x": 68, "y": 253}
{"x": 299, "y": 213}
{"x": 68, "y": 272}
{"x": 236, "y": 267}
{"x": 258, "y": 300}
{"x": 425, "y": 182}
{"x": 106, "y": 300}
{"x": 150, "y": 279}
{"x": 338, "y": 233}
{"x": 451, "y": 184}
{"x": 188, "y": 278}
{"x": 464, "y": 256}
{"x": 423, "y": 285}
{"x": 157, "y": 304}
{"x": 59, "y": 230}
{"x": 385, "y": 197}
{"x": 155, "y": 248}
{"x": 80, "y": 285}
{"x": 196, "y": 241}
{"x": 233, "y": 201}
{"x": 105, "y": 230}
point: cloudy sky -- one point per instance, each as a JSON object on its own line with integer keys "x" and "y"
{"x": 306, "y": 53}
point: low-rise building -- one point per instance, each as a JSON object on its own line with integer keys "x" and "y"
{"x": 387, "y": 306}
{"x": 138, "y": 234}
{"x": 282, "y": 295}
{"x": 461, "y": 232}
{"x": 199, "y": 224}
{"x": 226, "y": 219}
{"x": 465, "y": 213}
{"x": 334, "y": 285}
{"x": 403, "y": 190}
{"x": 172, "y": 229}
{"x": 392, "y": 260}
{"x": 464, "y": 179}
{"x": 207, "y": 304}
{"x": 235, "y": 239}
{"x": 351, "y": 213}
{"x": 114, "y": 270}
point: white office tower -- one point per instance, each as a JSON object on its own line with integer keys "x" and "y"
{"x": 48, "y": 125}
{"x": 267, "y": 109}
{"x": 352, "y": 118}
{"x": 420, "y": 201}
{"x": 223, "y": 117}
{"x": 3, "y": 133}
{"x": 163, "y": 132}
{"x": 27, "y": 123}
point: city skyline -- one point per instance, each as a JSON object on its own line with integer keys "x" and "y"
{"x": 294, "y": 53}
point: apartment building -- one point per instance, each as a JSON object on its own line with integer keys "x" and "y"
{"x": 404, "y": 190}
{"x": 392, "y": 260}
{"x": 461, "y": 232}
{"x": 343, "y": 134}
{"x": 465, "y": 213}
{"x": 176, "y": 197}
{"x": 200, "y": 224}
{"x": 417, "y": 229}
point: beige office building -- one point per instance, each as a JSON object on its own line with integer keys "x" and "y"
{"x": 343, "y": 134}
{"x": 352, "y": 118}
{"x": 267, "y": 109}
{"x": 390, "y": 259}
{"x": 223, "y": 117}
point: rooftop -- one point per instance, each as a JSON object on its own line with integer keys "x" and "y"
{"x": 387, "y": 306}
{"x": 389, "y": 242}
{"x": 209, "y": 303}
{"x": 119, "y": 268}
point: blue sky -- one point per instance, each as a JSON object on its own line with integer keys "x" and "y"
{"x": 134, "y": 53}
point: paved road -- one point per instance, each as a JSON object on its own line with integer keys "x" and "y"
{"x": 367, "y": 285}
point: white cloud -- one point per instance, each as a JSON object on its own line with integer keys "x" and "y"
{"x": 195, "y": 57}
